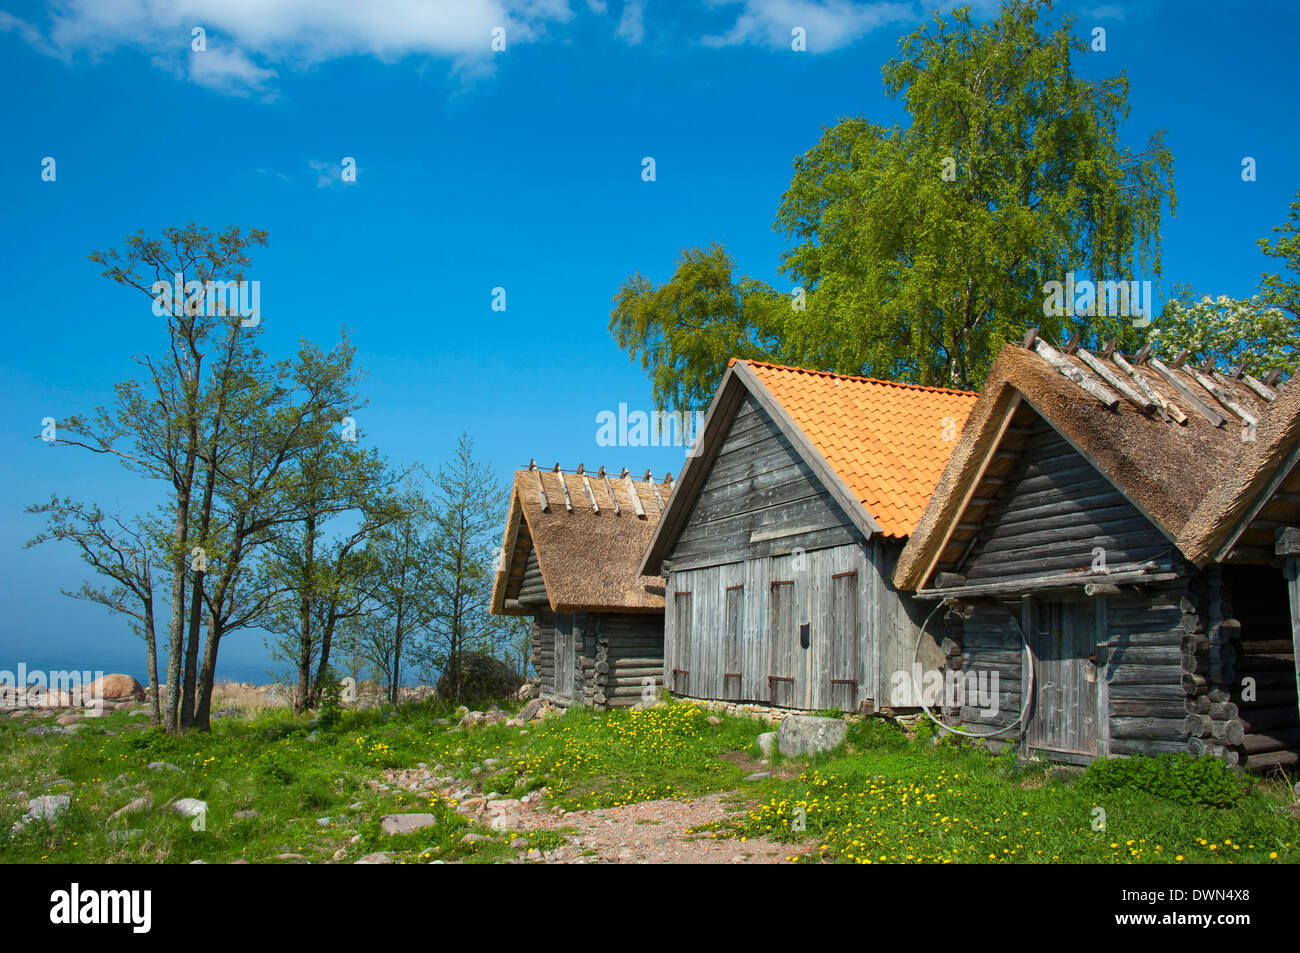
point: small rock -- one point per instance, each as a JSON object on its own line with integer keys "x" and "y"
{"x": 247, "y": 814}
{"x": 42, "y": 730}
{"x": 48, "y": 806}
{"x": 292, "y": 858}
{"x": 162, "y": 766}
{"x": 767, "y": 743}
{"x": 190, "y": 807}
{"x": 379, "y": 857}
{"x": 758, "y": 776}
{"x": 519, "y": 843}
{"x": 137, "y": 806}
{"x": 405, "y": 823}
{"x": 119, "y": 836}
{"x": 714, "y": 720}
{"x": 476, "y": 839}
{"x": 69, "y": 719}
{"x": 324, "y": 821}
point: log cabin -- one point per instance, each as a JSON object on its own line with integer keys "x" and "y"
{"x": 780, "y": 538}
{"x": 570, "y": 560}
{"x": 1112, "y": 545}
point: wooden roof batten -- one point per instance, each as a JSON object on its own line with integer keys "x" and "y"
{"x": 1191, "y": 384}
{"x": 588, "y": 489}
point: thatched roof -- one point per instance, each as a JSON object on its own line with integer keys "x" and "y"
{"x": 1163, "y": 441}
{"x": 1258, "y": 486}
{"x": 587, "y": 531}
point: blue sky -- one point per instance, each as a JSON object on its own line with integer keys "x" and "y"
{"x": 478, "y": 169}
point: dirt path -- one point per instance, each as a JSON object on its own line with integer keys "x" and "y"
{"x": 648, "y": 832}
{"x": 656, "y": 832}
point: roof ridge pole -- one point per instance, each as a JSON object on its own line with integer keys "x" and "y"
{"x": 1167, "y": 409}
{"x": 1074, "y": 373}
{"x": 1141, "y": 401}
{"x": 1259, "y": 387}
{"x": 654, "y": 488}
{"x": 609, "y": 488}
{"x": 541, "y": 490}
{"x": 1222, "y": 396}
{"x": 568, "y": 501}
{"x": 591, "y": 496}
{"x": 637, "y": 507}
{"x": 1183, "y": 391}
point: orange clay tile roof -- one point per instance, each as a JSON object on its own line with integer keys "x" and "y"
{"x": 885, "y": 440}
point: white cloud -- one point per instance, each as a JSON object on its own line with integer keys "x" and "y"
{"x": 631, "y": 25}
{"x": 828, "y": 24}
{"x": 255, "y": 39}
{"x": 1107, "y": 12}
{"x": 228, "y": 71}
{"x": 329, "y": 172}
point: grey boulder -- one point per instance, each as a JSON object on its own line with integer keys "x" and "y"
{"x": 809, "y": 734}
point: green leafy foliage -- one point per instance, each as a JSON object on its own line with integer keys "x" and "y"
{"x": 922, "y": 248}
{"x": 1180, "y": 778}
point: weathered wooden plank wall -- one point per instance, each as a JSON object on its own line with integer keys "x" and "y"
{"x": 1054, "y": 512}
{"x": 768, "y": 559}
{"x": 744, "y": 619}
{"x": 759, "y": 499}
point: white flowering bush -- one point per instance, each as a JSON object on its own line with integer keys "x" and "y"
{"x": 1229, "y": 329}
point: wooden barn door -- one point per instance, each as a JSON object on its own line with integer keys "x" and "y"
{"x": 565, "y": 654}
{"x": 1062, "y": 637}
{"x": 733, "y": 675}
{"x": 679, "y": 679}
{"x": 844, "y": 641}
{"x": 781, "y": 645}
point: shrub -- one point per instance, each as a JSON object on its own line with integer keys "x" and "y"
{"x": 1191, "y": 782}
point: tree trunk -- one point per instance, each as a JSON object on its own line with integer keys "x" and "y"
{"x": 203, "y": 711}
{"x": 327, "y": 637}
{"x": 196, "y": 599}
{"x": 303, "y": 697}
{"x": 151, "y": 662}
{"x": 174, "y": 624}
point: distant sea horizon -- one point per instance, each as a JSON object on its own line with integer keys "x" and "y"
{"x": 109, "y": 661}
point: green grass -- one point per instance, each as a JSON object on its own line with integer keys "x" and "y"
{"x": 891, "y": 800}
{"x": 884, "y": 797}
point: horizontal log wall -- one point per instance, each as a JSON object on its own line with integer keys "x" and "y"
{"x": 1252, "y": 697}
{"x": 542, "y": 640}
{"x": 1149, "y": 662}
{"x": 627, "y": 660}
{"x": 1053, "y": 513}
